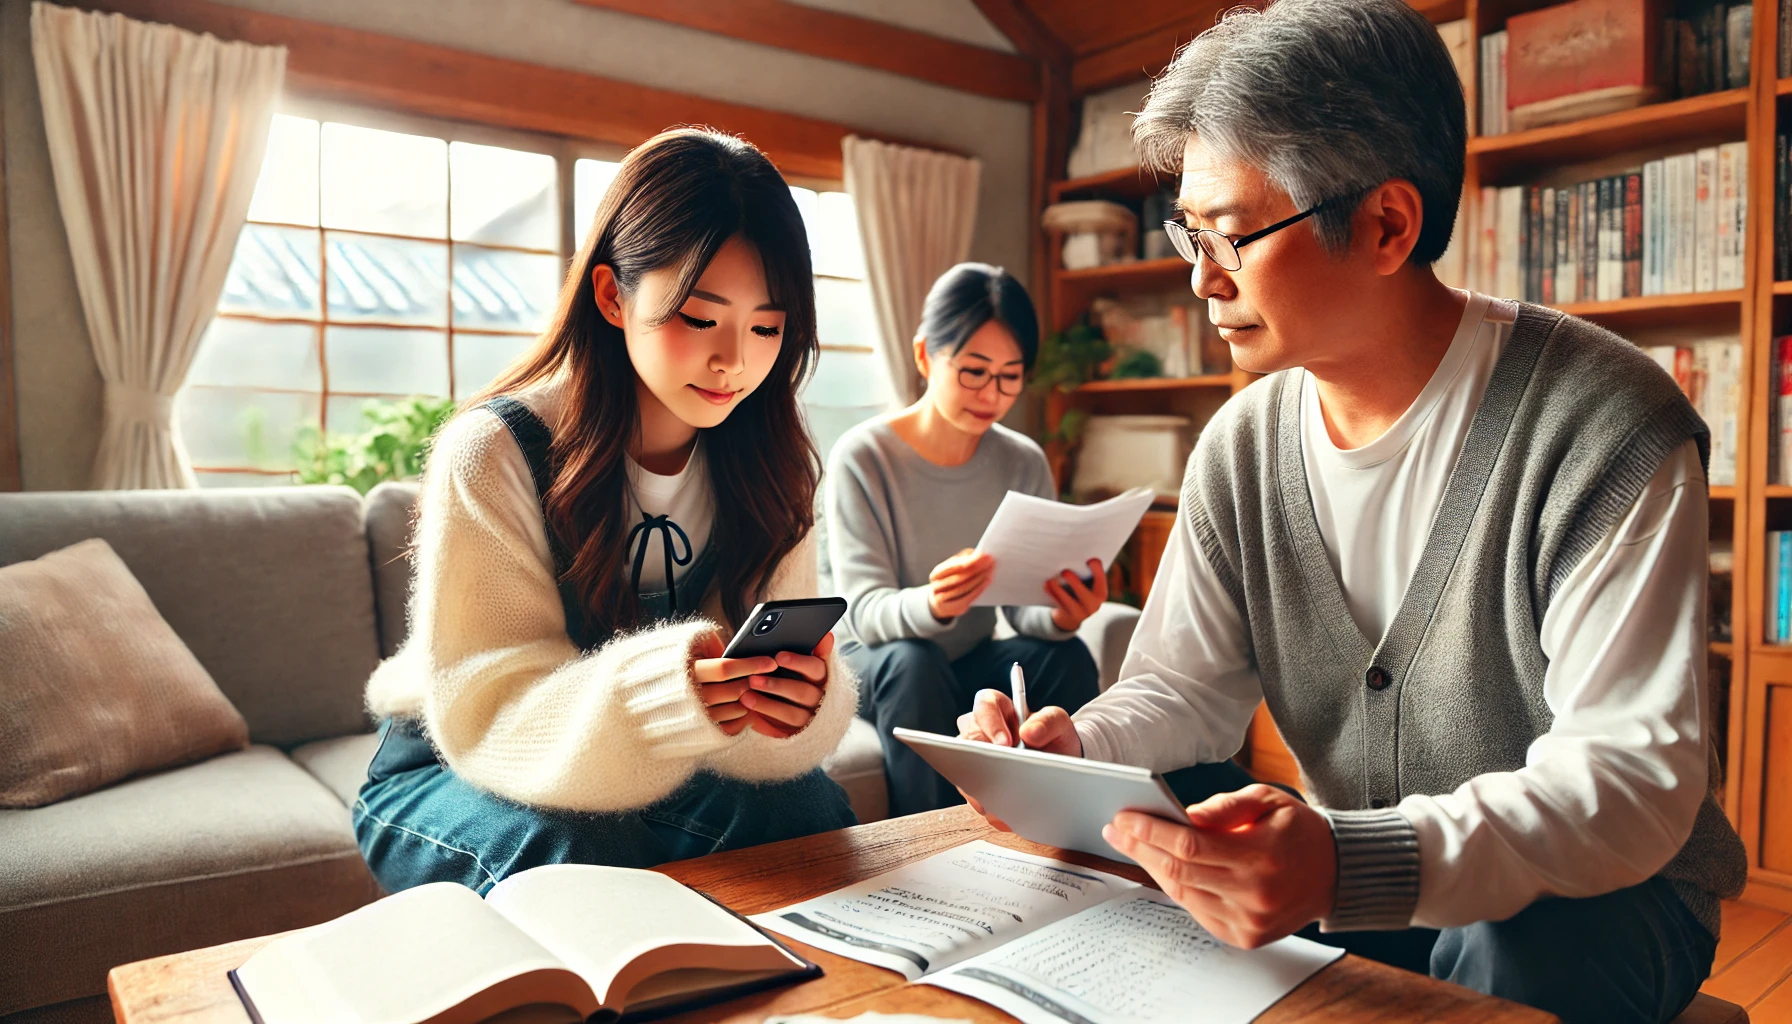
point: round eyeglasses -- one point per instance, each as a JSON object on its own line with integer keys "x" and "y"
{"x": 1192, "y": 243}
{"x": 976, "y": 378}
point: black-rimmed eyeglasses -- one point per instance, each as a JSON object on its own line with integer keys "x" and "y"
{"x": 976, "y": 378}
{"x": 1221, "y": 248}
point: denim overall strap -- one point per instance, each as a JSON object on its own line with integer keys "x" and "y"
{"x": 403, "y": 745}
{"x": 536, "y": 441}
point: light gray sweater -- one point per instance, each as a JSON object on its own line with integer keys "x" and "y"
{"x": 892, "y": 516}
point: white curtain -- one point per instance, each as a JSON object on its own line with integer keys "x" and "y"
{"x": 916, "y": 211}
{"x": 156, "y": 138}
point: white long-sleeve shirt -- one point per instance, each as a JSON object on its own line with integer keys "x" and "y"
{"x": 1607, "y": 796}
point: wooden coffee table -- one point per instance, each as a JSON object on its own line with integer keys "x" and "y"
{"x": 191, "y": 988}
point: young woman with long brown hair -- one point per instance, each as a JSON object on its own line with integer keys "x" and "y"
{"x": 587, "y": 526}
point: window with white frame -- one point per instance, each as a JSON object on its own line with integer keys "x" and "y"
{"x": 380, "y": 264}
{"x": 849, "y": 383}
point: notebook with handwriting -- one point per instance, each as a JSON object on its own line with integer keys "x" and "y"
{"x": 569, "y": 942}
{"x": 1048, "y": 941}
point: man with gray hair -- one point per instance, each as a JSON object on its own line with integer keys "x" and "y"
{"x": 1456, "y": 543}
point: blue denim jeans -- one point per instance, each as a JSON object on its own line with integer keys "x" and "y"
{"x": 419, "y": 822}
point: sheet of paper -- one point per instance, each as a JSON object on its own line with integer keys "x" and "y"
{"x": 1137, "y": 959}
{"x": 951, "y": 906}
{"x": 1034, "y": 539}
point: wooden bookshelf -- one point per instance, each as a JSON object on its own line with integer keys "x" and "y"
{"x": 1757, "y": 799}
{"x": 1690, "y": 123}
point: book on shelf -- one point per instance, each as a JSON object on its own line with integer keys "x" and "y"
{"x": 1782, "y": 209}
{"x": 1779, "y": 412}
{"x": 1709, "y": 371}
{"x": 1739, "y": 31}
{"x": 1671, "y": 226}
{"x": 1705, "y": 212}
{"x": 1582, "y": 58}
{"x": 1732, "y": 230}
{"x": 1785, "y": 34}
{"x": 598, "y": 942}
{"x": 1579, "y": 59}
{"x": 1777, "y": 622}
{"x": 1495, "y": 118}
{"x": 1633, "y": 234}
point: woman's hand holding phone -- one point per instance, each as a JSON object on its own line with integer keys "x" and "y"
{"x": 958, "y": 581}
{"x": 741, "y": 693}
{"x": 1075, "y": 600}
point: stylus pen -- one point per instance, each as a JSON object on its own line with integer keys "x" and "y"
{"x": 1017, "y": 681}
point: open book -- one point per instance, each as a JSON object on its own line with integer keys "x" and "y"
{"x": 565, "y": 942}
{"x": 1047, "y": 941}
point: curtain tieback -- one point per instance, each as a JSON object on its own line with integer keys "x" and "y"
{"x": 129, "y": 402}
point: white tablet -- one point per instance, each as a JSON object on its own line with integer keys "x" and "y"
{"x": 1048, "y": 798}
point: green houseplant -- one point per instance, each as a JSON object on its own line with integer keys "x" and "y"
{"x": 392, "y": 445}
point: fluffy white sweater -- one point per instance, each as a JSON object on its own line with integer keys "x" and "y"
{"x": 511, "y": 705}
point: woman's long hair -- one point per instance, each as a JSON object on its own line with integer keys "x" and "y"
{"x": 676, "y": 200}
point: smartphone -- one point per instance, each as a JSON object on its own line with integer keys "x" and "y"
{"x": 786, "y": 626}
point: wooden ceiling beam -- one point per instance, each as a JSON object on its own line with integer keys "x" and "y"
{"x": 849, "y": 38}
{"x": 1146, "y": 55}
{"x": 1135, "y": 60}
{"x": 435, "y": 81}
{"x": 1029, "y": 35}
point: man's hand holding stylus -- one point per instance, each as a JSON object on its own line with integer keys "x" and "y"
{"x": 992, "y": 719}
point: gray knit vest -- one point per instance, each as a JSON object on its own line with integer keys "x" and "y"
{"x": 1573, "y": 424}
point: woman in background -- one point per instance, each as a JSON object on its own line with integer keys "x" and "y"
{"x": 908, "y": 495}
{"x": 589, "y": 528}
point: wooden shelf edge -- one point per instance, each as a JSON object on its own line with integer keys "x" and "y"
{"x": 1768, "y": 889}
{"x": 1779, "y": 491}
{"x": 1131, "y": 268}
{"x": 1693, "y": 107}
{"x": 1783, "y": 86}
{"x": 1782, "y": 287}
{"x": 1132, "y": 177}
{"x": 1648, "y": 303}
{"x": 1212, "y": 380}
{"x": 1722, "y": 492}
{"x": 1723, "y": 648}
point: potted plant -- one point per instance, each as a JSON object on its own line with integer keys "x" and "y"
{"x": 392, "y": 445}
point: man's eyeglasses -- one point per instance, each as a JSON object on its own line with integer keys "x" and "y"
{"x": 1221, "y": 248}
{"x": 976, "y": 378}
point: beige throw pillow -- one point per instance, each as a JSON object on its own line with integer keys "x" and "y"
{"x": 94, "y": 685}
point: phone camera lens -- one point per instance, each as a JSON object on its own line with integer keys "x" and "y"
{"x": 768, "y": 623}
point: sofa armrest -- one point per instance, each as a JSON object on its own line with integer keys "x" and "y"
{"x": 1107, "y": 634}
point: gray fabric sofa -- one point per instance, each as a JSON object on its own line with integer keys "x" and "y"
{"x": 289, "y": 597}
